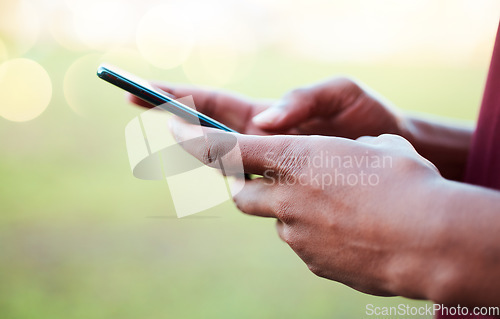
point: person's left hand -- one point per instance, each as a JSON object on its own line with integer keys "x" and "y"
{"x": 340, "y": 204}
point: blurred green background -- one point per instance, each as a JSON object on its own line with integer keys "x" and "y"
{"x": 80, "y": 237}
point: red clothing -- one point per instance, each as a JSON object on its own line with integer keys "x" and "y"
{"x": 483, "y": 166}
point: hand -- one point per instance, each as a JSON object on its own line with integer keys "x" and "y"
{"x": 343, "y": 206}
{"x": 338, "y": 107}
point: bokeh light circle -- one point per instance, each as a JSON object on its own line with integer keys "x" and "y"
{"x": 79, "y": 25}
{"x": 103, "y": 24}
{"x": 221, "y": 56}
{"x": 62, "y": 29}
{"x": 78, "y": 82}
{"x": 211, "y": 65}
{"x": 224, "y": 48}
{"x": 19, "y": 25}
{"x": 165, "y": 36}
{"x": 127, "y": 59}
{"x": 25, "y": 90}
{"x": 91, "y": 97}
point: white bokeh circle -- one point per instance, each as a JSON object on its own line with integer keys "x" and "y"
{"x": 165, "y": 36}
{"x": 25, "y": 89}
{"x": 19, "y": 25}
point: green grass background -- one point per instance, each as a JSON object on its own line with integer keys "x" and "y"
{"x": 80, "y": 237}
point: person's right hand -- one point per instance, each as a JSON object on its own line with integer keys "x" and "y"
{"x": 337, "y": 107}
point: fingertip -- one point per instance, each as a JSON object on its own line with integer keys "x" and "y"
{"x": 130, "y": 97}
{"x": 165, "y": 88}
{"x": 269, "y": 118}
{"x": 137, "y": 101}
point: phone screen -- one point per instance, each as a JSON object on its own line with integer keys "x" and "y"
{"x": 145, "y": 91}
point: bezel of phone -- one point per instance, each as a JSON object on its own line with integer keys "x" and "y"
{"x": 146, "y": 92}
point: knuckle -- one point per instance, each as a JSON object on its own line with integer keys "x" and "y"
{"x": 302, "y": 98}
{"x": 365, "y": 138}
{"x": 290, "y": 239}
{"x": 293, "y": 239}
{"x": 394, "y": 139}
{"x": 390, "y": 137}
{"x": 239, "y": 203}
{"x": 211, "y": 102}
{"x": 318, "y": 271}
{"x": 282, "y": 209}
{"x": 348, "y": 82}
{"x": 385, "y": 136}
{"x": 382, "y": 139}
{"x": 407, "y": 158}
{"x": 284, "y": 233}
{"x": 405, "y": 163}
{"x": 348, "y": 91}
{"x": 292, "y": 157}
{"x": 298, "y": 92}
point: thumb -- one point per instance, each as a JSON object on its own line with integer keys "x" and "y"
{"x": 286, "y": 113}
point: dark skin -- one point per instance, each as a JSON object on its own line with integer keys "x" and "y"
{"x": 414, "y": 233}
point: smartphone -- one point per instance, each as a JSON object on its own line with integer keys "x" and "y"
{"x": 146, "y": 92}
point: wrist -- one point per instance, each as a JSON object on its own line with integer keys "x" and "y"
{"x": 443, "y": 143}
{"x": 412, "y": 271}
{"x": 466, "y": 254}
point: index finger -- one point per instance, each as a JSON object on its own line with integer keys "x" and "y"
{"x": 234, "y": 152}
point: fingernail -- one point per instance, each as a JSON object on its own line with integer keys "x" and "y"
{"x": 269, "y": 116}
